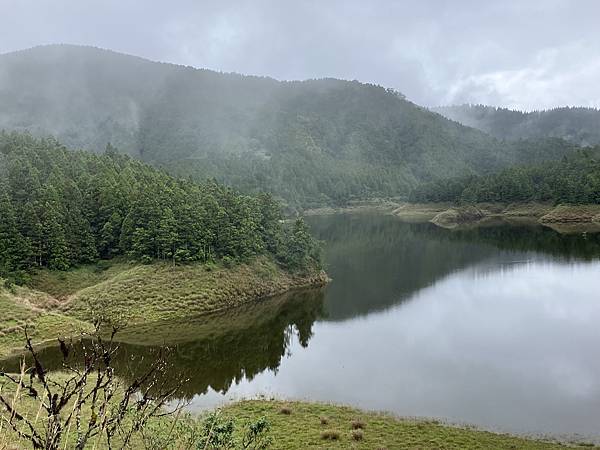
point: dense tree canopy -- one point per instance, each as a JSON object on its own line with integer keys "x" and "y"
{"x": 573, "y": 179}
{"x": 59, "y": 208}
{"x": 309, "y": 143}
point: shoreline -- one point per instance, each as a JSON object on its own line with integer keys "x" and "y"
{"x": 300, "y": 427}
{"x": 563, "y": 218}
{"x": 376, "y": 205}
{"x": 133, "y": 295}
{"x": 301, "y": 424}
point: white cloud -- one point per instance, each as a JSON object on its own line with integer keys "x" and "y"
{"x": 525, "y": 54}
{"x": 558, "y": 76}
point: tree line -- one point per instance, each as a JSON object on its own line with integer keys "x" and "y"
{"x": 60, "y": 208}
{"x": 573, "y": 179}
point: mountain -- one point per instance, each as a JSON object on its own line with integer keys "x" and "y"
{"x": 309, "y": 142}
{"x": 580, "y": 126}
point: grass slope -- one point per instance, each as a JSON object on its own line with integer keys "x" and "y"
{"x": 297, "y": 425}
{"x": 160, "y": 291}
{"x": 25, "y": 308}
{"x": 65, "y": 303}
{"x": 303, "y": 425}
{"x": 62, "y": 284}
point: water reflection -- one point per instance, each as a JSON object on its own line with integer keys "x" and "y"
{"x": 377, "y": 261}
{"x": 495, "y": 326}
{"x": 212, "y": 352}
{"x": 514, "y": 350}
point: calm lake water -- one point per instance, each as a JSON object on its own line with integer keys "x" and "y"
{"x": 497, "y": 326}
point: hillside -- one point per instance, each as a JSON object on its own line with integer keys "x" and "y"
{"x": 579, "y": 126}
{"x": 107, "y": 237}
{"x": 574, "y": 179}
{"x": 309, "y": 142}
{"x": 58, "y": 304}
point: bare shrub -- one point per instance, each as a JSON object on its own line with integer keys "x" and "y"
{"x": 88, "y": 401}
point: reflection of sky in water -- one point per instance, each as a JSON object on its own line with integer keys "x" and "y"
{"x": 513, "y": 346}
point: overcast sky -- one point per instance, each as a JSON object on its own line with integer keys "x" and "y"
{"x": 515, "y": 53}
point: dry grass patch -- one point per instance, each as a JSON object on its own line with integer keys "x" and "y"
{"x": 285, "y": 410}
{"x": 161, "y": 291}
{"x": 22, "y": 308}
{"x": 357, "y": 435}
{"x": 358, "y": 424}
{"x": 330, "y": 435}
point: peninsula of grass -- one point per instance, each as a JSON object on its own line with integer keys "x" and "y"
{"x": 302, "y": 425}
{"x": 161, "y": 291}
{"x": 57, "y": 304}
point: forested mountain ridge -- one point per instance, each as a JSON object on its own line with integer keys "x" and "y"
{"x": 309, "y": 142}
{"x": 60, "y": 208}
{"x": 578, "y": 125}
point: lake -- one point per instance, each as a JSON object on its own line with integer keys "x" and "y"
{"x": 496, "y": 326}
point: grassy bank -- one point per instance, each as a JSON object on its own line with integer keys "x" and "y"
{"x": 23, "y": 307}
{"x": 65, "y": 303}
{"x": 161, "y": 291}
{"x": 301, "y": 425}
{"x": 374, "y": 205}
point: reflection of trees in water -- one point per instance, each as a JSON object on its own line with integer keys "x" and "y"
{"x": 227, "y": 354}
{"x": 376, "y": 260}
{"x": 532, "y": 238}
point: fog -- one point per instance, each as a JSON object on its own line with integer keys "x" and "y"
{"x": 525, "y": 55}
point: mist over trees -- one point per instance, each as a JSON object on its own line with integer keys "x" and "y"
{"x": 309, "y": 143}
{"x": 577, "y": 125}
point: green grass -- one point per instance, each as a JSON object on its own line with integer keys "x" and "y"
{"x": 65, "y": 303}
{"x": 161, "y": 291}
{"x": 24, "y": 308}
{"x": 303, "y": 429}
{"x": 299, "y": 425}
{"x": 61, "y": 284}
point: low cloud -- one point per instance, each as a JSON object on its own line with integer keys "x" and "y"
{"x": 523, "y": 54}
